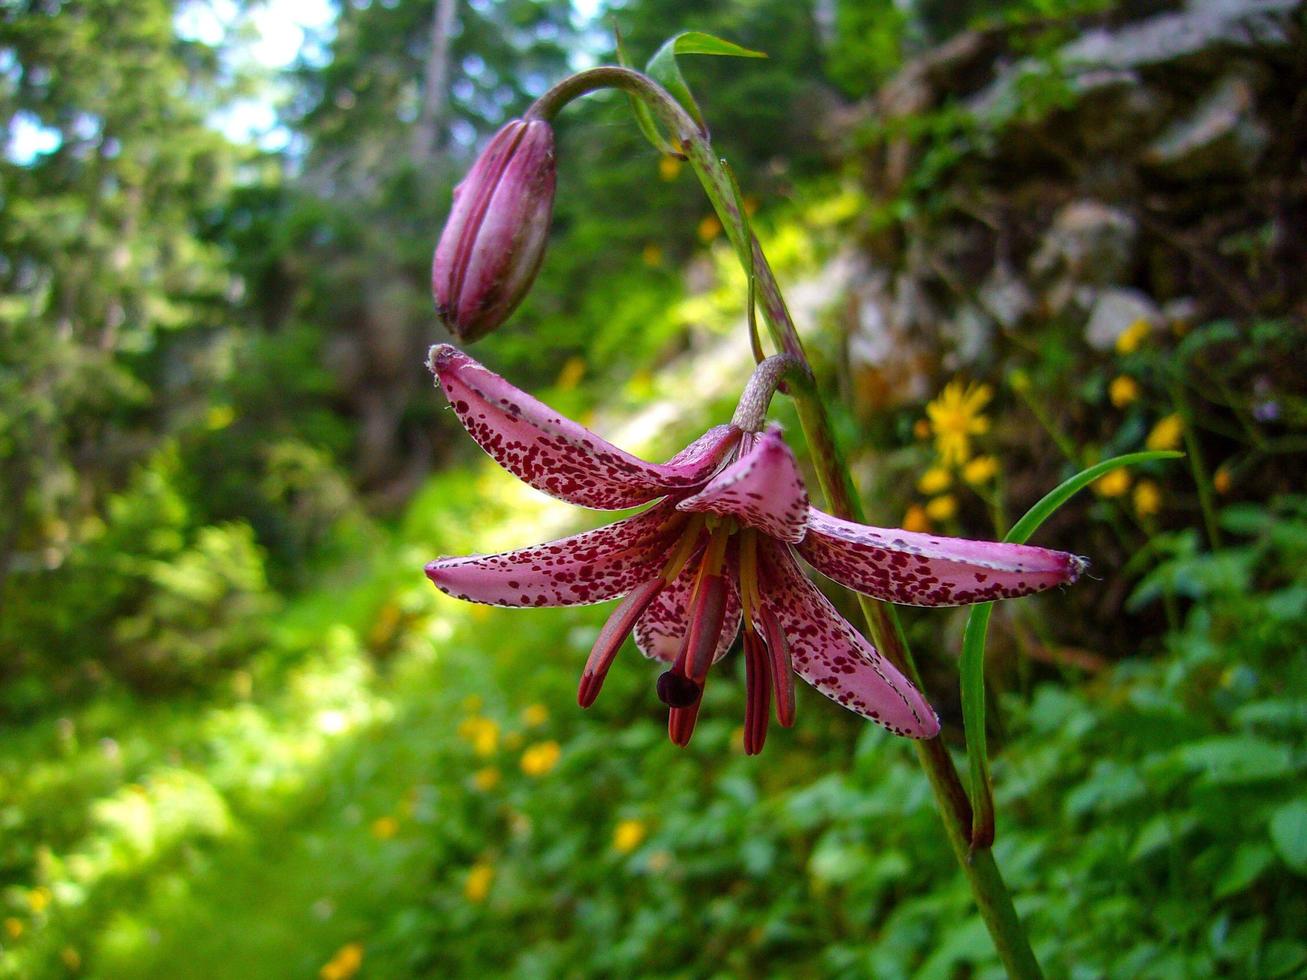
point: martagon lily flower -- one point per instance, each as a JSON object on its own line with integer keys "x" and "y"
{"x": 717, "y": 550}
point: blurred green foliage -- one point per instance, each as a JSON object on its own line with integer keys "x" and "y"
{"x": 243, "y": 737}
{"x": 1150, "y": 819}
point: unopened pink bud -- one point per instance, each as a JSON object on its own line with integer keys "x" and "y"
{"x": 494, "y": 240}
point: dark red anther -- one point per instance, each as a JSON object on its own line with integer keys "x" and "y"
{"x": 782, "y": 670}
{"x": 707, "y": 615}
{"x": 680, "y": 723}
{"x": 611, "y": 638}
{"x": 757, "y": 706}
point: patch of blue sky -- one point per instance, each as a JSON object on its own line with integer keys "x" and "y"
{"x": 263, "y": 41}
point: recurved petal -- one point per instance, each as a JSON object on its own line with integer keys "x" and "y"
{"x": 663, "y": 626}
{"x": 763, "y": 489}
{"x": 589, "y": 567}
{"x": 835, "y": 658}
{"x": 555, "y": 454}
{"x": 926, "y": 570}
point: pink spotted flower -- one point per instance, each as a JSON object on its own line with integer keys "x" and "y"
{"x": 718, "y": 549}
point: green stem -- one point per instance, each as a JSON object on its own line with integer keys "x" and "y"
{"x": 987, "y": 886}
{"x": 1197, "y": 467}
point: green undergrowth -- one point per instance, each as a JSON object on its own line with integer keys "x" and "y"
{"x": 393, "y": 783}
{"x": 411, "y": 775}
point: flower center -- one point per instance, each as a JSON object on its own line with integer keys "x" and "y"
{"x": 730, "y": 556}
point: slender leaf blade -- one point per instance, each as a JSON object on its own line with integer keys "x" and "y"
{"x": 643, "y": 117}
{"x": 697, "y": 42}
{"x": 972, "y": 666}
{"x": 663, "y": 67}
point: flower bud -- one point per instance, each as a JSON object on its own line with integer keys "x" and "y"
{"x": 494, "y": 239}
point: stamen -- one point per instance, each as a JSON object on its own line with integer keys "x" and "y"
{"x": 706, "y": 621}
{"x": 748, "y": 548}
{"x": 757, "y": 706}
{"x": 755, "y": 610}
{"x": 611, "y": 638}
{"x": 680, "y": 723}
{"x": 715, "y": 554}
{"x": 782, "y": 669}
{"x": 684, "y": 548}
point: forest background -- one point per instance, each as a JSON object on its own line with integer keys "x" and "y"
{"x": 241, "y": 735}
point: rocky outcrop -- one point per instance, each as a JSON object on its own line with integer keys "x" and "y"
{"x": 1144, "y": 169}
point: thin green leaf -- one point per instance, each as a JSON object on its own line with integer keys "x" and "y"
{"x": 1055, "y": 498}
{"x": 697, "y": 42}
{"x": 643, "y": 117}
{"x": 663, "y": 68}
{"x": 972, "y": 666}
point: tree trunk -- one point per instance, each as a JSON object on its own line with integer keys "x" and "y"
{"x": 428, "y": 134}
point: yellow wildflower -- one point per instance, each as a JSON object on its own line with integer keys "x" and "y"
{"x": 1123, "y": 390}
{"x": 479, "y": 879}
{"x": 538, "y": 759}
{"x": 13, "y": 927}
{"x": 709, "y": 228}
{"x": 942, "y": 508}
{"x": 934, "y": 480}
{"x": 980, "y": 470}
{"x": 957, "y": 415}
{"x": 572, "y": 373}
{"x": 38, "y": 899}
{"x": 486, "y": 779}
{"x": 1147, "y": 498}
{"x": 1112, "y": 484}
{"x": 1134, "y": 336}
{"x": 535, "y": 714}
{"x": 915, "y": 519}
{"x": 483, "y": 733}
{"x": 652, "y": 255}
{"x": 219, "y": 417}
{"x": 1221, "y": 480}
{"x": 669, "y": 167}
{"x": 628, "y": 834}
{"x": 1166, "y": 434}
{"x": 384, "y": 828}
{"x": 344, "y": 964}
